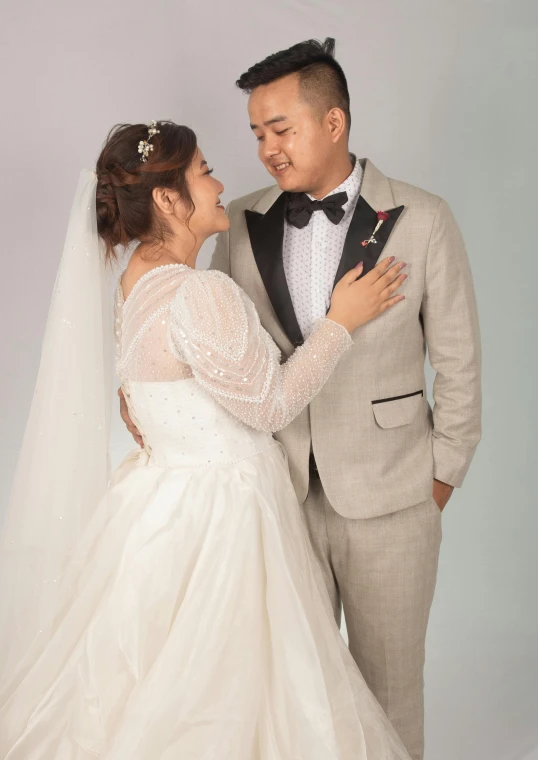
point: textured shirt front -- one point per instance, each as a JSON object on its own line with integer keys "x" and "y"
{"x": 311, "y": 256}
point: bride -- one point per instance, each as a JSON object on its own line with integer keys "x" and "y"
{"x": 177, "y": 614}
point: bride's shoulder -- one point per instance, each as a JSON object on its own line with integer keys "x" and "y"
{"x": 207, "y": 284}
{"x": 138, "y": 287}
{"x": 209, "y": 302}
{"x": 210, "y": 296}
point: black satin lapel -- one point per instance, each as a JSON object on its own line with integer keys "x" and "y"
{"x": 361, "y": 228}
{"x": 362, "y": 224}
{"x": 266, "y": 232}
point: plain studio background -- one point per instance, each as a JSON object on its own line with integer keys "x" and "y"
{"x": 443, "y": 96}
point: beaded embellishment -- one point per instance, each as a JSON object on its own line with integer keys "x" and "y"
{"x": 144, "y": 146}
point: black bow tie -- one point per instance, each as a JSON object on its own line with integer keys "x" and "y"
{"x": 300, "y": 208}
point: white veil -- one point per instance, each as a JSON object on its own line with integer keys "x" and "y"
{"x": 62, "y": 470}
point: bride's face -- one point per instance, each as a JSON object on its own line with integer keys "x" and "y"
{"x": 209, "y": 216}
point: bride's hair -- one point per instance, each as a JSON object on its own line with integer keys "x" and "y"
{"x": 124, "y": 201}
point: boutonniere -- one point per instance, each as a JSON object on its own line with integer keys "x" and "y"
{"x": 382, "y": 216}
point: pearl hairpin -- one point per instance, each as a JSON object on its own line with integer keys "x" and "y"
{"x": 144, "y": 146}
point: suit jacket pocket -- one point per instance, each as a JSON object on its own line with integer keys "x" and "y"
{"x": 398, "y": 410}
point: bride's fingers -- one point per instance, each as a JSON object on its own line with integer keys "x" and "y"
{"x": 353, "y": 274}
{"x": 391, "y": 302}
{"x": 394, "y": 285}
{"x": 384, "y": 269}
{"x": 390, "y": 275}
{"x": 380, "y": 269}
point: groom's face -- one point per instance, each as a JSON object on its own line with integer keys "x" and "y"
{"x": 294, "y": 139}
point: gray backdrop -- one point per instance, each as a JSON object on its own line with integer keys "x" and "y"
{"x": 443, "y": 96}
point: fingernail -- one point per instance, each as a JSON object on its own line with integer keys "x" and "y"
{"x": 404, "y": 277}
{"x": 403, "y": 264}
{"x": 359, "y": 265}
{"x": 391, "y": 259}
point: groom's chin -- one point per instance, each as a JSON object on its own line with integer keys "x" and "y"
{"x": 288, "y": 184}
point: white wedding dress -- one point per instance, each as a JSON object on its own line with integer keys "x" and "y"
{"x": 192, "y": 621}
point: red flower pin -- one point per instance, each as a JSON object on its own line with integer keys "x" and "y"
{"x": 382, "y": 216}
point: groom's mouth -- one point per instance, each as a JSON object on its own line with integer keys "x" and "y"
{"x": 280, "y": 169}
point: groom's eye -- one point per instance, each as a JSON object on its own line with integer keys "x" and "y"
{"x": 283, "y": 131}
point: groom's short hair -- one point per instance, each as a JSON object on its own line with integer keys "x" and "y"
{"x": 321, "y": 78}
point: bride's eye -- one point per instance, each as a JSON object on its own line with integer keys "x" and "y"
{"x": 209, "y": 171}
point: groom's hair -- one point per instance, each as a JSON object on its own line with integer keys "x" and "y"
{"x": 321, "y": 78}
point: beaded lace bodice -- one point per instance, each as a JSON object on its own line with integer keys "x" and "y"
{"x": 179, "y": 324}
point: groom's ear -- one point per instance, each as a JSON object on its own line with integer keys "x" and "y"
{"x": 337, "y": 124}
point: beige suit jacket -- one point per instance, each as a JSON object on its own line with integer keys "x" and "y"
{"x": 377, "y": 443}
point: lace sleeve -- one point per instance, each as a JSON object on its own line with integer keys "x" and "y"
{"x": 215, "y": 328}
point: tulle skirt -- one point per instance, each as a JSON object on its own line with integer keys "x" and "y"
{"x": 193, "y": 624}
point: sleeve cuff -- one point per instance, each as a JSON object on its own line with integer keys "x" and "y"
{"x": 343, "y": 335}
{"x": 450, "y": 462}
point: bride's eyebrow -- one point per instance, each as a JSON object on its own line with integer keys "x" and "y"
{"x": 203, "y": 162}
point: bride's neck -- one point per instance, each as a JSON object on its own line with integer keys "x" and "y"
{"x": 151, "y": 255}
{"x": 177, "y": 250}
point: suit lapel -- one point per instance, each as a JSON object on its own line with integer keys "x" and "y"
{"x": 376, "y": 195}
{"x": 266, "y": 232}
{"x": 265, "y": 224}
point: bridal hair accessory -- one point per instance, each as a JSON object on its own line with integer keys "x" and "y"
{"x": 382, "y": 216}
{"x": 144, "y": 146}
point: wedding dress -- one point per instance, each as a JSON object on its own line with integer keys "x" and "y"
{"x": 191, "y": 622}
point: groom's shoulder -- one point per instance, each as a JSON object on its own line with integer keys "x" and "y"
{"x": 406, "y": 194}
{"x": 251, "y": 199}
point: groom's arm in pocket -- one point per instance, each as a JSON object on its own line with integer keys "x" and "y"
{"x": 453, "y": 337}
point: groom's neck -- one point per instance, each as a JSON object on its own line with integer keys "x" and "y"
{"x": 337, "y": 173}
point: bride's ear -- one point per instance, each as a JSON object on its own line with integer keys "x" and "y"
{"x": 166, "y": 200}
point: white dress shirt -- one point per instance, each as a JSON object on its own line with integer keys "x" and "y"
{"x": 311, "y": 256}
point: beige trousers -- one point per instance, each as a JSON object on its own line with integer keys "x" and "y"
{"x": 383, "y": 571}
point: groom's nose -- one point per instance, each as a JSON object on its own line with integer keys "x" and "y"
{"x": 271, "y": 148}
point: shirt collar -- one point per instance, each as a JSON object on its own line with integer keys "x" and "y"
{"x": 351, "y": 185}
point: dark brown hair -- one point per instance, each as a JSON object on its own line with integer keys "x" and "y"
{"x": 124, "y": 202}
{"x": 321, "y": 78}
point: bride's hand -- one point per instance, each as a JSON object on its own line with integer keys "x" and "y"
{"x": 355, "y": 302}
{"x": 131, "y": 427}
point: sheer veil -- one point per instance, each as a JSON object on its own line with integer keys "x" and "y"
{"x": 62, "y": 470}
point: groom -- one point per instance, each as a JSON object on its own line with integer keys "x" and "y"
{"x": 372, "y": 465}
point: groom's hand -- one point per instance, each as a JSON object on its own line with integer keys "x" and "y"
{"x": 441, "y": 493}
{"x": 124, "y": 412}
